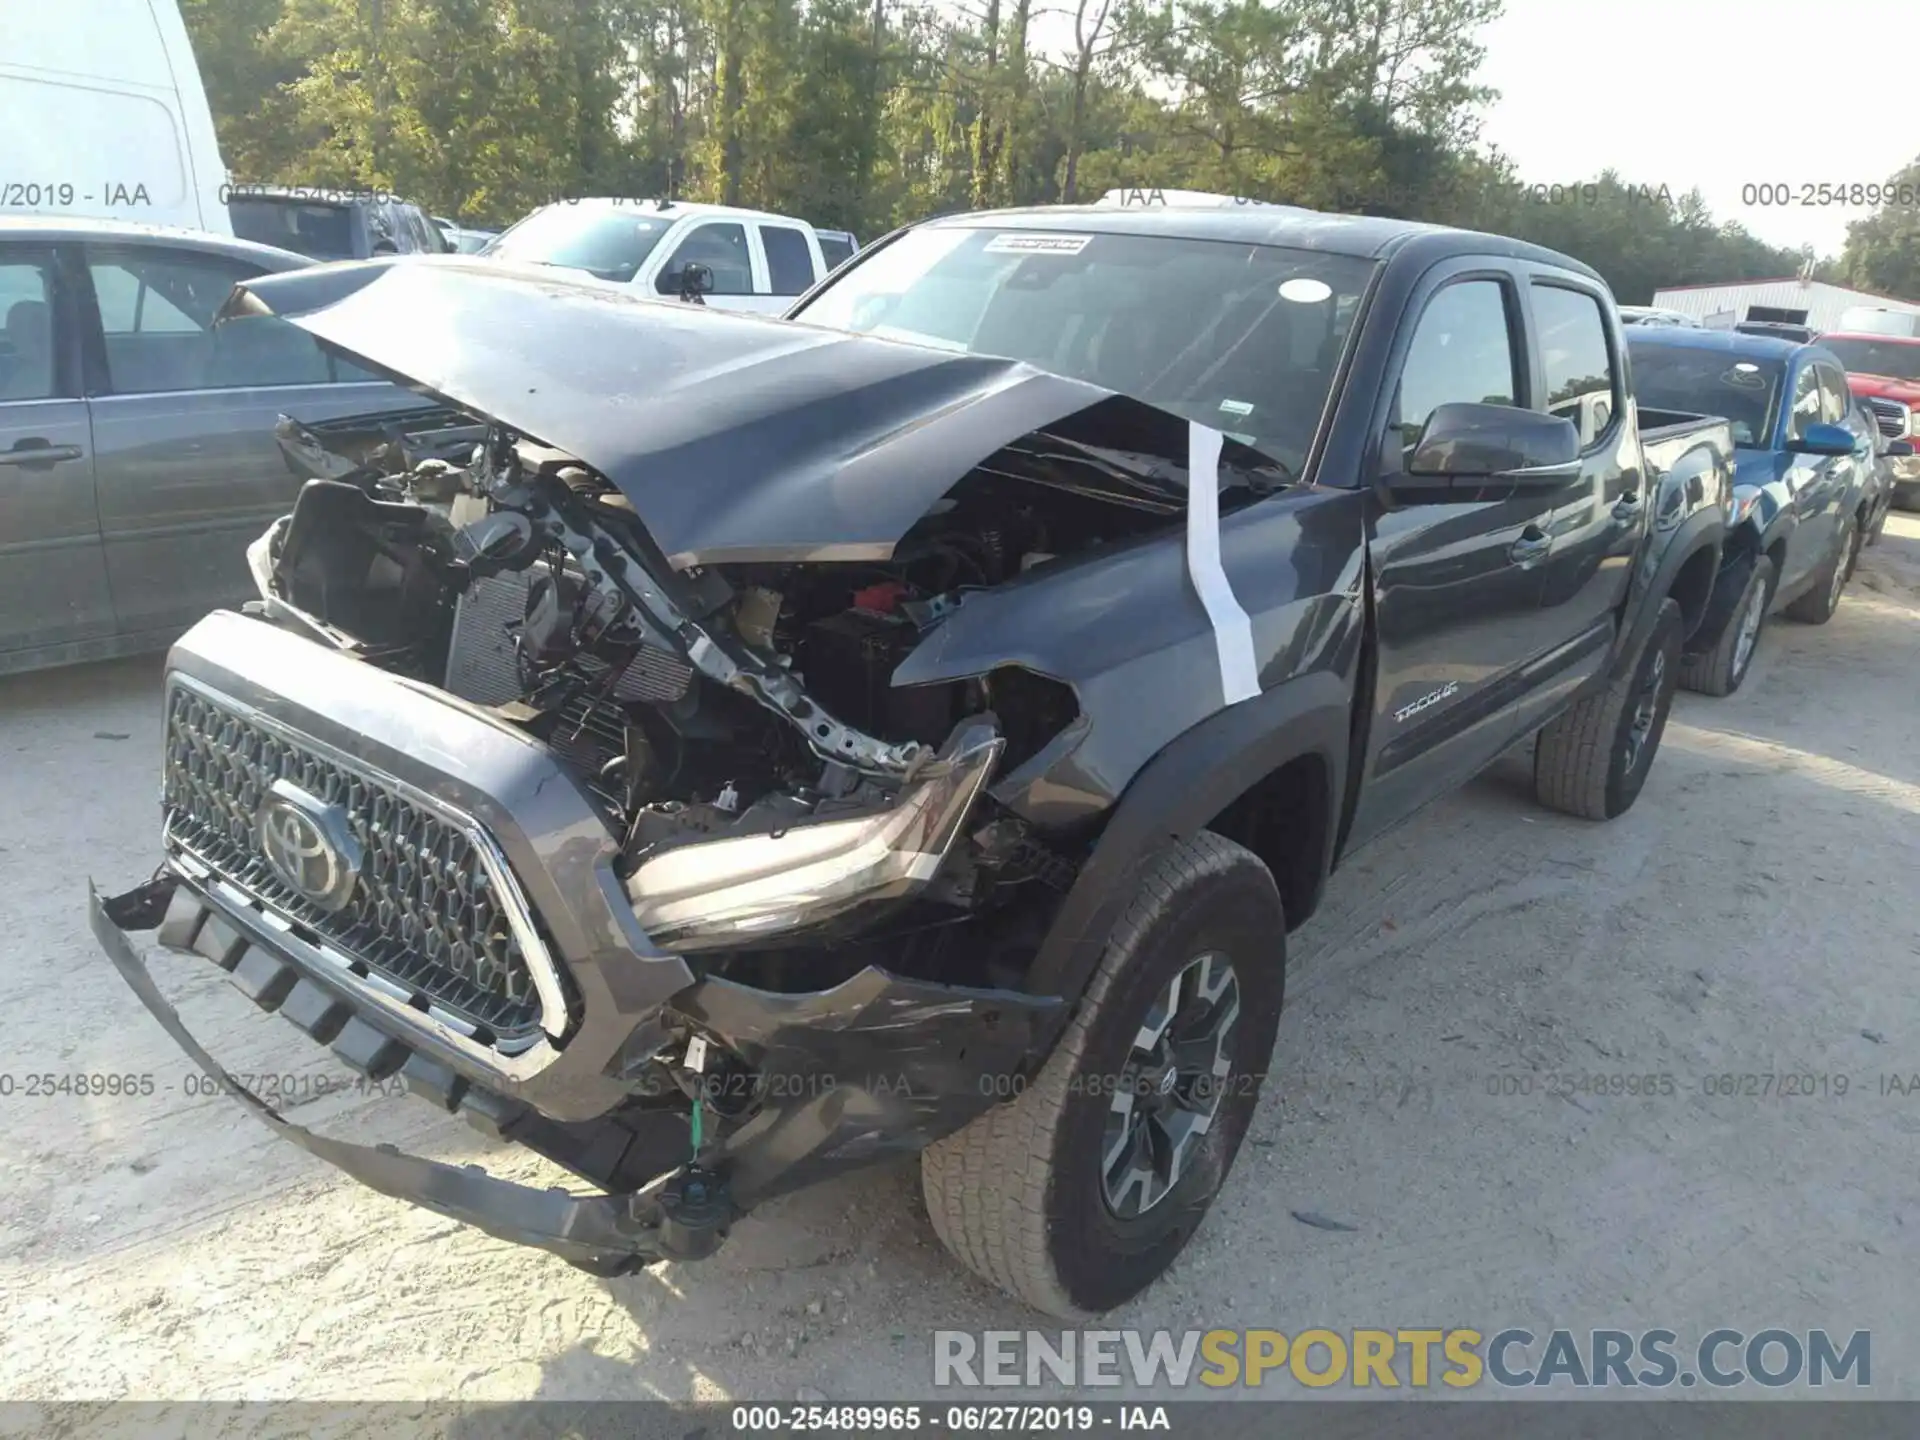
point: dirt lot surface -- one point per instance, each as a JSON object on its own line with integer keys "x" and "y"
{"x": 1754, "y": 915}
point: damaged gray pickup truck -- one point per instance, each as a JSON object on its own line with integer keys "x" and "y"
{"x": 717, "y": 752}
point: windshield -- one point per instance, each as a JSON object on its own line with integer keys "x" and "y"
{"x": 1242, "y": 337}
{"x": 609, "y": 242}
{"x": 323, "y": 232}
{"x": 1708, "y": 382}
{"x": 1875, "y": 357}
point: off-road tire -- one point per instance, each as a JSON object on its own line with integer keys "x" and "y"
{"x": 1018, "y": 1195}
{"x": 1720, "y": 670}
{"x": 1816, "y": 605}
{"x": 1580, "y": 763}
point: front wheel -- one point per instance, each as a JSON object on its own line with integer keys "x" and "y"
{"x": 1592, "y": 759}
{"x": 1721, "y": 669}
{"x": 1078, "y": 1194}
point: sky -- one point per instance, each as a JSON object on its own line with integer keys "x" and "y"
{"x": 1706, "y": 93}
{"x": 1714, "y": 94}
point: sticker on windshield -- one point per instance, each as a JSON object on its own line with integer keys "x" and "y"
{"x": 1237, "y": 407}
{"x": 1035, "y": 243}
{"x": 1746, "y": 367}
{"x": 1305, "y": 290}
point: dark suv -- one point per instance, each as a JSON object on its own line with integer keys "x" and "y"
{"x": 332, "y": 224}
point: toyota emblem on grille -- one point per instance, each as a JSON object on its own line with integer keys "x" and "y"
{"x": 309, "y": 845}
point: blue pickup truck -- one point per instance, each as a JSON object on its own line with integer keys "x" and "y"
{"x": 1803, "y": 480}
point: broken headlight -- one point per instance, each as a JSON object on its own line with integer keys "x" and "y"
{"x": 731, "y": 890}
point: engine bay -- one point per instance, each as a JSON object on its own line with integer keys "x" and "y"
{"x": 712, "y": 704}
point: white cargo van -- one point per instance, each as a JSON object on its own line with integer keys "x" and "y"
{"x": 102, "y": 114}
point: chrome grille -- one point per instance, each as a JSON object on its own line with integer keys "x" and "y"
{"x": 1891, "y": 416}
{"x": 429, "y": 911}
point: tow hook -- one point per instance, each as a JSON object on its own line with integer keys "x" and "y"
{"x": 695, "y": 1211}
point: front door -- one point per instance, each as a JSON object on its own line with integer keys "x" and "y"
{"x": 1816, "y": 481}
{"x": 723, "y": 247}
{"x": 53, "y": 578}
{"x": 1456, "y": 582}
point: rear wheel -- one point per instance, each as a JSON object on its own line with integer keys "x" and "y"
{"x": 1593, "y": 760}
{"x": 1078, "y": 1194}
{"x": 1822, "y": 598}
{"x": 1721, "y": 669}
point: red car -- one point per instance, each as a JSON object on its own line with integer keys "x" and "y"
{"x": 1884, "y": 371}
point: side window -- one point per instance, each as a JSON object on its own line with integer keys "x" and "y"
{"x": 26, "y": 326}
{"x": 1574, "y": 352}
{"x": 1808, "y": 403}
{"x": 721, "y": 246}
{"x": 789, "y": 260}
{"x": 836, "y": 250}
{"x": 380, "y": 234}
{"x": 1462, "y": 351}
{"x": 156, "y": 317}
{"x": 1836, "y": 402}
{"x": 422, "y": 231}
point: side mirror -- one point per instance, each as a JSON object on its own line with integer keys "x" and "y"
{"x": 695, "y": 280}
{"x": 1475, "y": 445}
{"x": 687, "y": 281}
{"x": 1898, "y": 449}
{"x": 1822, "y": 438}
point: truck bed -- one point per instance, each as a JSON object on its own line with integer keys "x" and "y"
{"x": 1674, "y": 442}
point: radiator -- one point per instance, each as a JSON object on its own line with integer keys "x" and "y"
{"x": 481, "y": 665}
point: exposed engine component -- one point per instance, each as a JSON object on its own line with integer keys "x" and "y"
{"x": 737, "y": 728}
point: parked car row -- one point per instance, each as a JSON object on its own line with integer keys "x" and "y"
{"x": 1879, "y": 351}
{"x": 1812, "y": 479}
{"x": 749, "y": 750}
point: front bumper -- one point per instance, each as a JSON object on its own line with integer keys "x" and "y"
{"x": 599, "y": 1232}
{"x": 874, "y": 1068}
{"x": 812, "y": 1084}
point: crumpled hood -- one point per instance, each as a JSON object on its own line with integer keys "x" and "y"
{"x": 735, "y": 437}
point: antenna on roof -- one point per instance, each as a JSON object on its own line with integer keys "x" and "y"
{"x": 663, "y": 204}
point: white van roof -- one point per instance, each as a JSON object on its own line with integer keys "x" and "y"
{"x": 106, "y": 100}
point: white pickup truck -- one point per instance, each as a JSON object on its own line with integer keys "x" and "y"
{"x": 758, "y": 261}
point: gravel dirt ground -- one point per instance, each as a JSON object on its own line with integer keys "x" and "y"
{"x": 1755, "y": 914}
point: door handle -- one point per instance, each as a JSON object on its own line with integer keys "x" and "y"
{"x": 35, "y": 452}
{"x": 1531, "y": 547}
{"x": 1627, "y": 508}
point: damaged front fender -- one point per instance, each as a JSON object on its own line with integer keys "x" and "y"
{"x": 876, "y": 1067}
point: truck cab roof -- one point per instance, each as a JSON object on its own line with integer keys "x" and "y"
{"x": 1369, "y": 236}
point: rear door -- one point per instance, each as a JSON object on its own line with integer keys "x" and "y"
{"x": 53, "y": 579}
{"x": 188, "y": 471}
{"x": 1598, "y": 519}
{"x": 1456, "y": 581}
{"x": 792, "y": 264}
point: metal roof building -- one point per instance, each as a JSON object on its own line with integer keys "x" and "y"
{"x": 1797, "y": 302}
